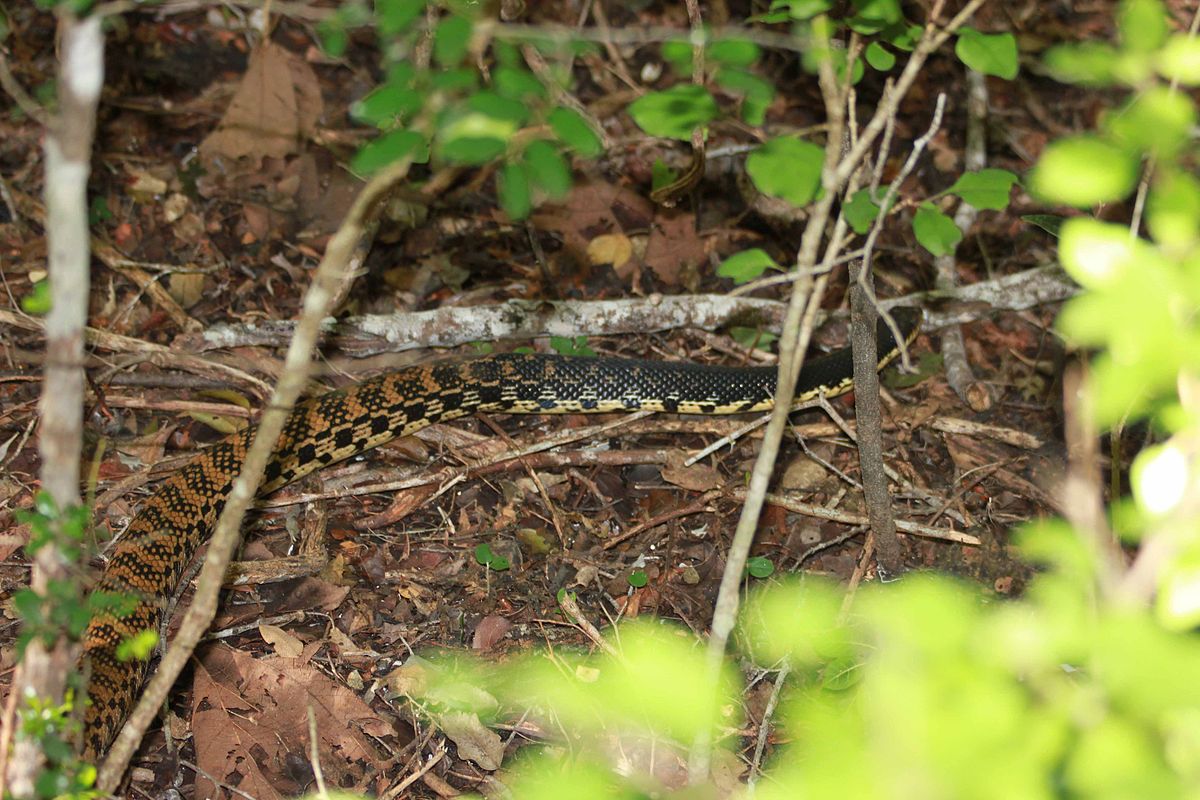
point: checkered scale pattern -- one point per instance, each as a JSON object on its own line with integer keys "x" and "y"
{"x": 150, "y": 558}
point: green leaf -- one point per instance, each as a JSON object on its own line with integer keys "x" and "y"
{"x": 759, "y": 567}
{"x": 1173, "y": 209}
{"x": 568, "y": 346}
{"x": 861, "y": 211}
{"x": 1091, "y": 64}
{"x": 1180, "y": 59}
{"x": 99, "y": 211}
{"x": 752, "y": 337}
{"x": 516, "y": 83}
{"x": 802, "y": 9}
{"x": 37, "y": 302}
{"x": 393, "y": 17}
{"x": 994, "y": 54}
{"x": 386, "y": 104}
{"x": 733, "y": 52}
{"x": 1099, "y": 255}
{"x": 548, "y": 170}
{"x": 986, "y": 189}
{"x": 637, "y": 579}
{"x": 513, "y": 187}
{"x": 390, "y": 148}
{"x": 879, "y": 57}
{"x": 674, "y": 113}
{"x": 1143, "y": 25}
{"x": 758, "y": 92}
{"x": 138, "y": 647}
{"x": 1158, "y": 122}
{"x": 872, "y": 16}
{"x": 787, "y": 168}
{"x": 484, "y": 554}
{"x": 1083, "y": 171}
{"x": 575, "y": 133}
{"x": 678, "y": 54}
{"x": 747, "y": 265}
{"x": 450, "y": 41}
{"x": 936, "y": 232}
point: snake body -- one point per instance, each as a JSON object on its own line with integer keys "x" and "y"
{"x": 149, "y": 560}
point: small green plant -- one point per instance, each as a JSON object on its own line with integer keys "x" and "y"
{"x": 485, "y": 557}
{"x": 571, "y": 346}
{"x": 55, "y": 728}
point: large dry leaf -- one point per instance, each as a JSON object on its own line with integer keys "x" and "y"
{"x": 250, "y": 720}
{"x": 276, "y": 107}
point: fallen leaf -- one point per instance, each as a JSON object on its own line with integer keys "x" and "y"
{"x": 284, "y": 643}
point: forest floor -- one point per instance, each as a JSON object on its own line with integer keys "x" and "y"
{"x": 342, "y": 584}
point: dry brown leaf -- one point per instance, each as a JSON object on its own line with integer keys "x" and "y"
{"x": 250, "y": 719}
{"x": 490, "y": 630}
{"x": 276, "y": 106}
{"x": 187, "y": 288}
{"x": 697, "y": 477}
{"x": 473, "y": 740}
{"x": 610, "y": 248}
{"x": 284, "y": 643}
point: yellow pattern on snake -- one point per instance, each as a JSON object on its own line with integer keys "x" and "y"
{"x": 150, "y": 558}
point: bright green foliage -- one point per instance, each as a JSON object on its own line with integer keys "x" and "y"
{"x": 989, "y": 54}
{"x": 1173, "y": 209}
{"x": 760, "y": 567}
{"x": 571, "y": 346}
{"x": 450, "y": 40}
{"x": 752, "y": 337}
{"x": 873, "y": 16}
{"x": 757, "y": 92}
{"x": 1180, "y": 60}
{"x": 548, "y": 169}
{"x": 486, "y": 558}
{"x": 55, "y": 727}
{"x": 574, "y": 132}
{"x": 802, "y": 9}
{"x": 1143, "y": 25}
{"x": 390, "y": 148}
{"x": 513, "y": 190}
{"x": 747, "y": 265}
{"x": 1157, "y": 122}
{"x": 638, "y": 578}
{"x": 788, "y": 168}
{"x": 37, "y": 302}
{"x": 987, "y": 189}
{"x": 674, "y": 113}
{"x": 1083, "y": 171}
{"x": 861, "y": 211}
{"x": 879, "y": 57}
{"x": 936, "y": 232}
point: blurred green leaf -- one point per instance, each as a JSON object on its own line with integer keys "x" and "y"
{"x": 37, "y": 302}
{"x": 674, "y": 113}
{"x": 990, "y": 54}
{"x": 861, "y": 211}
{"x": 548, "y": 170}
{"x": 514, "y": 194}
{"x": 390, "y": 148}
{"x": 936, "y": 232}
{"x": 788, "y": 168}
{"x": 747, "y": 265}
{"x": 1143, "y": 25}
{"x": 1083, "y": 171}
{"x": 575, "y": 133}
{"x": 1173, "y": 208}
{"x": 879, "y": 57}
{"x": 986, "y": 189}
{"x": 733, "y": 52}
{"x": 1180, "y": 59}
{"x": 1157, "y": 122}
{"x": 1091, "y": 64}
{"x": 450, "y": 40}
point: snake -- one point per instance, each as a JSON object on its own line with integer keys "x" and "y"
{"x": 149, "y": 559}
